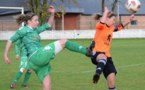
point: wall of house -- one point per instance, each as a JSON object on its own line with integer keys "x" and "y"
{"x": 87, "y": 22}
{"x": 8, "y": 23}
{"x": 71, "y": 22}
{"x": 140, "y": 22}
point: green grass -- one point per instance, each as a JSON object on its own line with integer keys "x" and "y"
{"x": 73, "y": 71}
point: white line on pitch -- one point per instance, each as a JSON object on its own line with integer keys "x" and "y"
{"x": 119, "y": 67}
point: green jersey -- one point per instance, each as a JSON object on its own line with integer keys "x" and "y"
{"x": 17, "y": 47}
{"x": 20, "y": 49}
{"x": 30, "y": 37}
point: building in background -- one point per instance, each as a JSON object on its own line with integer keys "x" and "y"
{"x": 78, "y": 16}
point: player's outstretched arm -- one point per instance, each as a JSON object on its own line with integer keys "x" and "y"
{"x": 130, "y": 19}
{"x": 51, "y": 9}
{"x": 8, "y": 46}
{"x": 105, "y": 14}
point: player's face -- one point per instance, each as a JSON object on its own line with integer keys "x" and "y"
{"x": 112, "y": 20}
{"x": 34, "y": 22}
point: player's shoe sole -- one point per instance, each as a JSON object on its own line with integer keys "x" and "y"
{"x": 89, "y": 52}
{"x": 96, "y": 78}
{"x": 25, "y": 85}
{"x": 12, "y": 86}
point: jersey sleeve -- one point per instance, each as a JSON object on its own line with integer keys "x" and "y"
{"x": 17, "y": 51}
{"x": 118, "y": 28}
{"x": 100, "y": 26}
{"x": 23, "y": 51}
{"x": 18, "y": 35}
{"x": 17, "y": 47}
{"x": 43, "y": 27}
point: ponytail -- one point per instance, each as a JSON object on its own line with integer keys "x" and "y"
{"x": 20, "y": 19}
{"x": 97, "y": 16}
{"x": 24, "y": 18}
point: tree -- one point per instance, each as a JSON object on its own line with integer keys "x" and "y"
{"x": 103, "y": 5}
{"x": 114, "y": 4}
{"x": 40, "y": 7}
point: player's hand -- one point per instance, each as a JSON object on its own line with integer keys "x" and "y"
{"x": 132, "y": 17}
{"x": 106, "y": 10}
{"x": 6, "y": 59}
{"x": 96, "y": 78}
{"x": 51, "y": 9}
{"x": 17, "y": 57}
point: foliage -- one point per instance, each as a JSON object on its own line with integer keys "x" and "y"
{"x": 40, "y": 7}
{"x": 114, "y": 4}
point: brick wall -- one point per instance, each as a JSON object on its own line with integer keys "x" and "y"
{"x": 140, "y": 22}
{"x": 71, "y": 22}
{"x": 74, "y": 22}
{"x": 8, "y": 25}
{"x": 87, "y": 22}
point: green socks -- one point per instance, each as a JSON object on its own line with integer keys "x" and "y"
{"x": 72, "y": 46}
{"x": 18, "y": 75}
{"x": 26, "y": 78}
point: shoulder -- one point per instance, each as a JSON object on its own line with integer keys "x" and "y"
{"x": 46, "y": 25}
{"x": 23, "y": 30}
{"x": 100, "y": 25}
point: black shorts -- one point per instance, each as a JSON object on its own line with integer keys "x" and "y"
{"x": 109, "y": 67}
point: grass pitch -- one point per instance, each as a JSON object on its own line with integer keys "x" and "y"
{"x": 73, "y": 71}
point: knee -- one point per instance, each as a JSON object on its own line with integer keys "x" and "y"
{"x": 22, "y": 70}
{"x": 111, "y": 84}
{"x": 101, "y": 56}
{"x": 63, "y": 42}
{"x": 30, "y": 71}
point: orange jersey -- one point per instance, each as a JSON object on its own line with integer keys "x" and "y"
{"x": 103, "y": 37}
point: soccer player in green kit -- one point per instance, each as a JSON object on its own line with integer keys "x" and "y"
{"x": 22, "y": 53}
{"x": 40, "y": 57}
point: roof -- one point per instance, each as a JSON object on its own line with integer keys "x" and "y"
{"x": 86, "y": 7}
{"x": 82, "y": 6}
{"x": 11, "y": 3}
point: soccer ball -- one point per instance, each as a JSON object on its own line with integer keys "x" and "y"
{"x": 133, "y": 5}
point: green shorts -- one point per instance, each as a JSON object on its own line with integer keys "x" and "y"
{"x": 39, "y": 61}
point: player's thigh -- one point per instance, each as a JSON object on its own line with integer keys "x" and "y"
{"x": 97, "y": 56}
{"x": 109, "y": 68}
{"x": 43, "y": 56}
{"x": 43, "y": 71}
{"x": 101, "y": 56}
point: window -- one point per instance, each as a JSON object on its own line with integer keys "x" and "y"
{"x": 134, "y": 22}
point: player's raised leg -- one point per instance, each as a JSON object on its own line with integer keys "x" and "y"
{"x": 75, "y": 47}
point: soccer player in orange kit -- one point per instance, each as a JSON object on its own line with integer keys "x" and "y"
{"x": 101, "y": 50}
